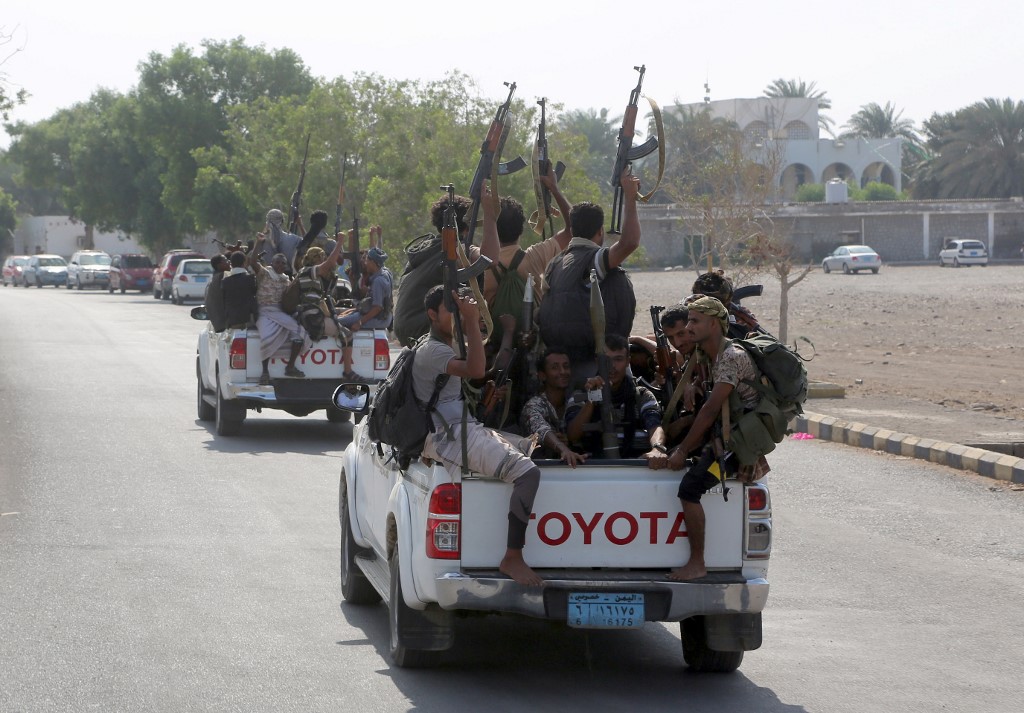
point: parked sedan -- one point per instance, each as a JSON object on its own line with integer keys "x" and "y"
{"x": 89, "y": 268}
{"x": 190, "y": 280}
{"x": 163, "y": 274}
{"x": 963, "y": 252}
{"x": 13, "y": 266}
{"x": 851, "y": 259}
{"x": 131, "y": 272}
{"x": 45, "y": 270}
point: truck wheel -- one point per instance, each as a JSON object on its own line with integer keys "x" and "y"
{"x": 227, "y": 417}
{"x": 404, "y": 623}
{"x": 205, "y": 411}
{"x": 355, "y": 587}
{"x": 337, "y": 415}
{"x": 697, "y": 654}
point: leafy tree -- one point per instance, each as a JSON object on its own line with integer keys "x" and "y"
{"x": 8, "y": 221}
{"x": 798, "y": 88}
{"x": 873, "y": 121}
{"x": 9, "y": 98}
{"x": 977, "y": 152}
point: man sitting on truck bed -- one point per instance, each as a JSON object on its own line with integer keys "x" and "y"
{"x": 708, "y": 323}
{"x": 489, "y": 453}
{"x": 636, "y": 413}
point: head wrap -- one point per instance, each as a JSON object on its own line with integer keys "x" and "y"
{"x": 313, "y": 256}
{"x": 713, "y": 308}
{"x": 275, "y": 217}
{"x": 377, "y": 255}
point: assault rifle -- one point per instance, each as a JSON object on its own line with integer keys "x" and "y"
{"x": 454, "y": 276}
{"x": 356, "y": 269}
{"x": 341, "y": 198}
{"x": 490, "y": 150}
{"x": 627, "y": 153}
{"x": 293, "y": 225}
{"x": 663, "y": 356}
{"x": 542, "y": 167}
{"x": 609, "y": 438}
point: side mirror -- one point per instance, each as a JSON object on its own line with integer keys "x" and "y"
{"x": 199, "y": 313}
{"x": 352, "y": 397}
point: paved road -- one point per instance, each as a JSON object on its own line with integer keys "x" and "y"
{"x": 146, "y": 564}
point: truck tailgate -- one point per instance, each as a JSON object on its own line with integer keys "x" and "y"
{"x": 611, "y": 516}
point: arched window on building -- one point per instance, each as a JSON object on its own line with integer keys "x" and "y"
{"x": 756, "y": 131}
{"x": 797, "y": 130}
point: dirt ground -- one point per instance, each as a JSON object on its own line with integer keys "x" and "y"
{"x": 944, "y": 345}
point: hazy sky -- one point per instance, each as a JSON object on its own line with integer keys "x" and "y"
{"x": 922, "y": 56}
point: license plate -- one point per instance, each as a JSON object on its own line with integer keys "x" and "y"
{"x": 606, "y": 611}
{"x": 201, "y": 279}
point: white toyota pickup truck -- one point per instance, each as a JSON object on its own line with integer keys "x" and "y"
{"x": 603, "y": 537}
{"x": 228, "y": 369}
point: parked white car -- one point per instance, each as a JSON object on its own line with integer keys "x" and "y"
{"x": 851, "y": 259}
{"x": 963, "y": 252}
{"x": 190, "y": 280}
{"x": 89, "y": 268}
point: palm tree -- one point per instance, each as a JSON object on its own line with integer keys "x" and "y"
{"x": 979, "y": 151}
{"x": 876, "y": 122}
{"x": 798, "y": 88}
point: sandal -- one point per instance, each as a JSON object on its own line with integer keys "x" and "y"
{"x": 264, "y": 379}
{"x": 292, "y": 371}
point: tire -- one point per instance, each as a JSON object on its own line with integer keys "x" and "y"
{"x": 204, "y": 410}
{"x": 165, "y": 295}
{"x": 403, "y": 620}
{"x": 123, "y": 290}
{"x": 698, "y": 656}
{"x": 941, "y": 263}
{"x": 175, "y": 298}
{"x": 355, "y": 587}
{"x": 337, "y": 415}
{"x": 826, "y": 268}
{"x": 956, "y": 263}
{"x": 78, "y": 282}
{"x": 24, "y": 282}
{"x": 39, "y": 284}
{"x": 846, "y": 269}
{"x": 110, "y": 289}
{"x": 874, "y": 271}
{"x": 156, "y": 293}
{"x": 227, "y": 420}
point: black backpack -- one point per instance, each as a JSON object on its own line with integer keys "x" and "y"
{"x": 397, "y": 418}
{"x": 422, "y": 272}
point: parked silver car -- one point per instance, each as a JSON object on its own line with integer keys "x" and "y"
{"x": 45, "y": 270}
{"x": 89, "y": 268}
{"x": 851, "y": 259}
{"x": 963, "y": 252}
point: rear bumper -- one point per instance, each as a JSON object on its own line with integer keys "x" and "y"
{"x": 665, "y": 600}
{"x": 287, "y": 393}
{"x": 93, "y": 278}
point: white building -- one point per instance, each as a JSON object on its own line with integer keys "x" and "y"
{"x": 791, "y": 126}
{"x": 61, "y": 235}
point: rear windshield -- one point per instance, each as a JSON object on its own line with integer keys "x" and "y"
{"x": 21, "y": 261}
{"x": 197, "y": 268}
{"x": 860, "y": 249}
{"x": 973, "y": 245}
{"x": 52, "y": 262}
{"x": 136, "y": 261}
{"x": 93, "y": 259}
{"x": 175, "y": 259}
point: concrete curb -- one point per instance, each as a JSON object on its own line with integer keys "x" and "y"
{"x": 987, "y": 463}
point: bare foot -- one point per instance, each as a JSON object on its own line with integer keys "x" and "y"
{"x": 690, "y": 570}
{"x": 516, "y": 568}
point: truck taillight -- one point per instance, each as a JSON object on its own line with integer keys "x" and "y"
{"x": 381, "y": 355}
{"x": 757, "y": 499}
{"x": 236, "y": 355}
{"x": 759, "y": 524}
{"x": 443, "y": 517}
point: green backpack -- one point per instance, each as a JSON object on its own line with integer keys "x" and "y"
{"x": 782, "y": 398}
{"x": 508, "y": 299}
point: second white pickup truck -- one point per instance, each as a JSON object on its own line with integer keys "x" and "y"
{"x": 603, "y": 536}
{"x": 228, "y": 369}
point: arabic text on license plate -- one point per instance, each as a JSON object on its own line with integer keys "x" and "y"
{"x": 606, "y": 611}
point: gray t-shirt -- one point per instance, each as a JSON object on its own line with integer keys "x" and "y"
{"x": 432, "y": 359}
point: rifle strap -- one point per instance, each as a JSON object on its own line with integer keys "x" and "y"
{"x": 660, "y": 126}
{"x": 474, "y": 285}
